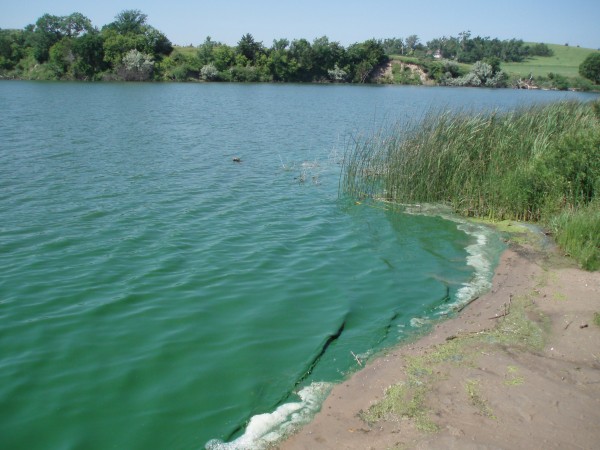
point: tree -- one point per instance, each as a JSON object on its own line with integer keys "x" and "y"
{"x": 62, "y": 56}
{"x": 205, "y": 51}
{"x": 129, "y": 32}
{"x": 157, "y": 44}
{"x": 116, "y": 45}
{"x": 47, "y": 32}
{"x": 89, "y": 51}
{"x": 223, "y": 57}
{"x": 76, "y": 24}
{"x": 590, "y": 68}
{"x": 279, "y": 64}
{"x": 51, "y": 29}
{"x": 301, "y": 51}
{"x": 12, "y": 48}
{"x": 129, "y": 21}
{"x": 325, "y": 55}
{"x": 394, "y": 46}
{"x": 363, "y": 58}
{"x": 249, "y": 48}
{"x": 412, "y": 42}
{"x": 539, "y": 50}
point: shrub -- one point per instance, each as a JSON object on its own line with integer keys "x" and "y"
{"x": 540, "y": 50}
{"x": 136, "y": 66}
{"x": 481, "y": 74}
{"x": 404, "y": 75}
{"x": 590, "y": 68}
{"x": 209, "y": 72}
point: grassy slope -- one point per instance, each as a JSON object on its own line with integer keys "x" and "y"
{"x": 189, "y": 51}
{"x": 566, "y": 61}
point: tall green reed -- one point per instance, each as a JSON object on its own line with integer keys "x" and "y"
{"x": 529, "y": 164}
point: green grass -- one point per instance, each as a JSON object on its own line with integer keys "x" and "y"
{"x": 536, "y": 164}
{"x": 473, "y": 389}
{"x": 578, "y": 233}
{"x": 518, "y": 330}
{"x": 405, "y": 59}
{"x": 188, "y": 51}
{"x": 597, "y": 319}
{"x": 512, "y": 377}
{"x": 565, "y": 62}
{"x": 402, "y": 401}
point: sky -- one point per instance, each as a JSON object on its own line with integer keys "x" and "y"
{"x": 185, "y": 22}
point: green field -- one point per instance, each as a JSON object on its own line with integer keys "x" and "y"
{"x": 565, "y": 62}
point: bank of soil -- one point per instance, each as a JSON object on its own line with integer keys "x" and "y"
{"x": 517, "y": 369}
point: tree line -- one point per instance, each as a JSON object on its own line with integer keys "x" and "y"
{"x": 71, "y": 48}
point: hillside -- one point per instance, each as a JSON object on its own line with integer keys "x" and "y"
{"x": 565, "y": 62}
{"x": 559, "y": 71}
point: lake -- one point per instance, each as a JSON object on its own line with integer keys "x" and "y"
{"x": 154, "y": 293}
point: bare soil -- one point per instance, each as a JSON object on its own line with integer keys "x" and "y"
{"x": 503, "y": 395}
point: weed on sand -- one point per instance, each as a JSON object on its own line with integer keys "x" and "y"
{"x": 473, "y": 389}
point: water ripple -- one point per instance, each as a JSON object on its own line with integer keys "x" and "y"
{"x": 156, "y": 294}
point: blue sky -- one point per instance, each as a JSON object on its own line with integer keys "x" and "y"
{"x": 188, "y": 22}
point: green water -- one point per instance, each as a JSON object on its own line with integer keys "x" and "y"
{"x": 156, "y": 294}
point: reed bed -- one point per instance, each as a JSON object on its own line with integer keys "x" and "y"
{"x": 532, "y": 164}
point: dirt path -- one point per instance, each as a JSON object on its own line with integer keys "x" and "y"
{"x": 518, "y": 369}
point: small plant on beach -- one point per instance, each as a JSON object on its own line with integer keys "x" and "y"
{"x": 512, "y": 377}
{"x": 402, "y": 401}
{"x": 517, "y": 329}
{"x": 473, "y": 389}
{"x": 597, "y": 319}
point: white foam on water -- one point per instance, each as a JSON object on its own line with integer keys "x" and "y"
{"x": 264, "y": 430}
{"x": 481, "y": 255}
{"x": 418, "y": 322}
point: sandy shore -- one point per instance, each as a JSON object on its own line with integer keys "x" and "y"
{"x": 492, "y": 391}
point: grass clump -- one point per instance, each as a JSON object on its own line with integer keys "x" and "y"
{"x": 513, "y": 378}
{"x": 473, "y": 389}
{"x": 597, "y": 319}
{"x": 539, "y": 164}
{"x": 518, "y": 330}
{"x": 402, "y": 400}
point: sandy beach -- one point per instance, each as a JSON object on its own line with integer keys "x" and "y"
{"x": 519, "y": 368}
